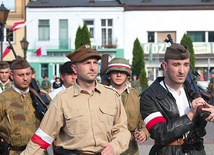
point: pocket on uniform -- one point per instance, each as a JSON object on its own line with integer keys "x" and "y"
{"x": 76, "y": 121}
{"x": 107, "y": 115}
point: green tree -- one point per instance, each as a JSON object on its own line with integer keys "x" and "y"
{"x": 85, "y": 35}
{"x": 82, "y": 36}
{"x": 79, "y": 38}
{"x": 187, "y": 41}
{"x": 138, "y": 64}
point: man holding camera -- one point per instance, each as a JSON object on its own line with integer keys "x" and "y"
{"x": 169, "y": 111}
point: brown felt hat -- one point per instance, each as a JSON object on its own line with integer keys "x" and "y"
{"x": 19, "y": 63}
{"x": 177, "y": 52}
{"x": 4, "y": 65}
{"x": 82, "y": 53}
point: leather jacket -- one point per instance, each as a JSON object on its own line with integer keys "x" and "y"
{"x": 156, "y": 99}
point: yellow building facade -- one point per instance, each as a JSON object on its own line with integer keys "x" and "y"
{"x": 17, "y": 14}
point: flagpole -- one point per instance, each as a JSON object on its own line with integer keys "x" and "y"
{"x": 4, "y": 14}
{"x": 2, "y": 38}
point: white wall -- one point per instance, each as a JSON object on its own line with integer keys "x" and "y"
{"x": 75, "y": 18}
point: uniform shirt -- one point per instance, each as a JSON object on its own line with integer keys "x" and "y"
{"x": 56, "y": 91}
{"x": 6, "y": 86}
{"x": 83, "y": 121}
{"x": 130, "y": 99}
{"x": 17, "y": 117}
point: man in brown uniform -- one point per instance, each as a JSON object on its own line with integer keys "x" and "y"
{"x": 5, "y": 82}
{"x": 87, "y": 118}
{"x": 118, "y": 72}
{"x": 18, "y": 120}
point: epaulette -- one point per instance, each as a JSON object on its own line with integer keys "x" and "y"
{"x": 111, "y": 89}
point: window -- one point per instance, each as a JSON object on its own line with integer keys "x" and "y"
{"x": 197, "y": 36}
{"x": 210, "y": 36}
{"x": 9, "y": 35}
{"x": 90, "y": 25}
{"x": 106, "y": 27}
{"x": 9, "y": 4}
{"x": 151, "y": 37}
{"x": 44, "y": 30}
{"x": 44, "y": 70}
{"x": 159, "y": 37}
{"x": 63, "y": 34}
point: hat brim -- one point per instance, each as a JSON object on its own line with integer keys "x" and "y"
{"x": 119, "y": 69}
{"x": 88, "y": 55}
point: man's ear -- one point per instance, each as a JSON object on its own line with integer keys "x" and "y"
{"x": 11, "y": 75}
{"x": 74, "y": 68}
{"x": 164, "y": 65}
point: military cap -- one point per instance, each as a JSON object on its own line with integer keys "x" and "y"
{"x": 66, "y": 68}
{"x": 4, "y": 65}
{"x": 83, "y": 53}
{"x": 119, "y": 64}
{"x": 19, "y": 63}
{"x": 177, "y": 52}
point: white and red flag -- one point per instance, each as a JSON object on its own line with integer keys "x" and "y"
{"x": 6, "y": 50}
{"x": 41, "y": 51}
{"x": 18, "y": 25}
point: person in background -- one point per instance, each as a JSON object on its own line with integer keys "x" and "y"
{"x": 135, "y": 83}
{"x": 5, "y": 82}
{"x": 87, "y": 118}
{"x": 68, "y": 77}
{"x": 118, "y": 72}
{"x": 57, "y": 83}
{"x": 34, "y": 76}
{"x": 46, "y": 85}
{"x": 169, "y": 111}
{"x": 18, "y": 117}
{"x": 211, "y": 84}
{"x": 52, "y": 81}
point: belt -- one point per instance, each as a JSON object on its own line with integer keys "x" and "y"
{"x": 18, "y": 148}
{"x": 179, "y": 141}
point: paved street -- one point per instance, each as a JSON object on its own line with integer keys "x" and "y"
{"x": 208, "y": 141}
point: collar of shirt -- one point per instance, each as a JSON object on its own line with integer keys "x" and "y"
{"x": 63, "y": 87}
{"x": 125, "y": 89}
{"x": 20, "y": 91}
{"x": 78, "y": 89}
{"x": 5, "y": 83}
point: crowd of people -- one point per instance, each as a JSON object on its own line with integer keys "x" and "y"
{"x": 85, "y": 117}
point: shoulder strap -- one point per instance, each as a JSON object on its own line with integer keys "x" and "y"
{"x": 37, "y": 95}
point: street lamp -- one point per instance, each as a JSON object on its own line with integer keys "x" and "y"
{"x": 3, "y": 17}
{"x": 24, "y": 44}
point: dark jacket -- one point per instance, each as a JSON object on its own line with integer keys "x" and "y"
{"x": 156, "y": 99}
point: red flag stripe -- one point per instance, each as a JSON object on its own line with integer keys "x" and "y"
{"x": 6, "y": 51}
{"x": 38, "y": 140}
{"x": 42, "y": 139}
{"x": 38, "y": 52}
{"x": 119, "y": 66}
{"x": 18, "y": 25}
{"x": 153, "y": 119}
